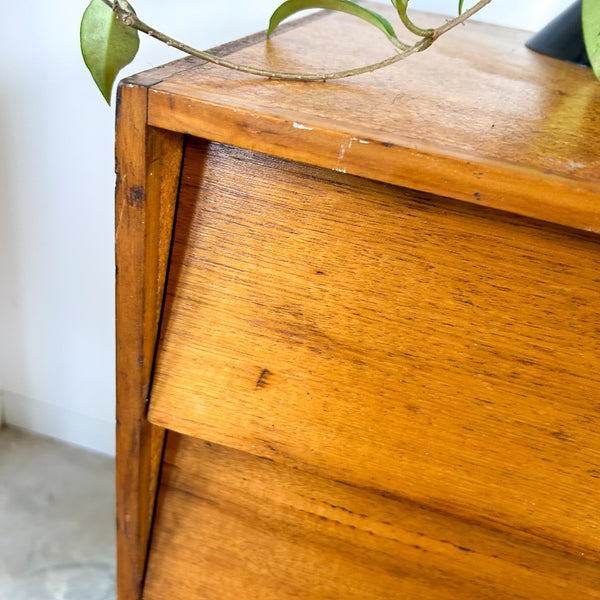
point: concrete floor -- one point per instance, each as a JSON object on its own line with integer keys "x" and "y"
{"x": 57, "y": 521}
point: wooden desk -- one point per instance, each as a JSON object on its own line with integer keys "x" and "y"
{"x": 376, "y": 358}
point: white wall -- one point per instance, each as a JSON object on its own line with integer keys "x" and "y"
{"x": 523, "y": 14}
{"x": 56, "y": 200}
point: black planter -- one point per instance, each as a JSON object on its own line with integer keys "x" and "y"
{"x": 563, "y": 37}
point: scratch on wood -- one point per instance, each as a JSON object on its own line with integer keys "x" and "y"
{"x": 119, "y": 220}
{"x": 300, "y": 126}
{"x": 344, "y": 147}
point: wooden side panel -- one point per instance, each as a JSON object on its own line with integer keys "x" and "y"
{"x": 148, "y": 170}
{"x": 411, "y": 344}
{"x": 230, "y": 525}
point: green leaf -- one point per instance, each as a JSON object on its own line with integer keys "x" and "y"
{"x": 460, "y": 6}
{"x": 107, "y": 45}
{"x": 293, "y": 6}
{"x": 590, "y": 19}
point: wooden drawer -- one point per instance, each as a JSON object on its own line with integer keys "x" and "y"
{"x": 230, "y": 525}
{"x": 392, "y": 340}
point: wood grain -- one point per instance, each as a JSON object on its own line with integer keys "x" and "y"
{"x": 148, "y": 170}
{"x": 148, "y": 164}
{"x": 518, "y": 134}
{"x": 230, "y": 525}
{"x": 416, "y": 345}
{"x": 407, "y": 382}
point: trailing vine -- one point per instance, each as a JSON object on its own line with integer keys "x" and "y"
{"x": 110, "y": 40}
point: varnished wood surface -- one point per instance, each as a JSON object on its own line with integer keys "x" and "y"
{"x": 148, "y": 168}
{"x": 396, "y": 341}
{"x": 230, "y": 526}
{"x": 148, "y": 162}
{"x": 428, "y": 364}
{"x": 477, "y": 117}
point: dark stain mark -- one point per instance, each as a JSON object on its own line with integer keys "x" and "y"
{"x": 135, "y": 196}
{"x": 387, "y": 144}
{"x": 271, "y": 448}
{"x": 135, "y": 441}
{"x": 141, "y": 361}
{"x": 478, "y": 175}
{"x": 262, "y": 379}
{"x": 347, "y": 510}
{"x": 320, "y": 273}
{"x": 525, "y": 361}
{"x": 561, "y": 435}
{"x": 595, "y": 473}
{"x": 477, "y": 196}
{"x": 465, "y": 549}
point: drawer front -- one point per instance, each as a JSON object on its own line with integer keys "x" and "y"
{"x": 230, "y": 525}
{"x": 391, "y": 340}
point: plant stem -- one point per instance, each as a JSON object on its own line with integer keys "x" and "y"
{"x": 127, "y": 16}
{"x": 402, "y": 7}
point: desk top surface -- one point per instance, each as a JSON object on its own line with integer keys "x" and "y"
{"x": 477, "y": 117}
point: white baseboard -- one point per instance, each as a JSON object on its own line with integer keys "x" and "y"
{"x": 57, "y": 422}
